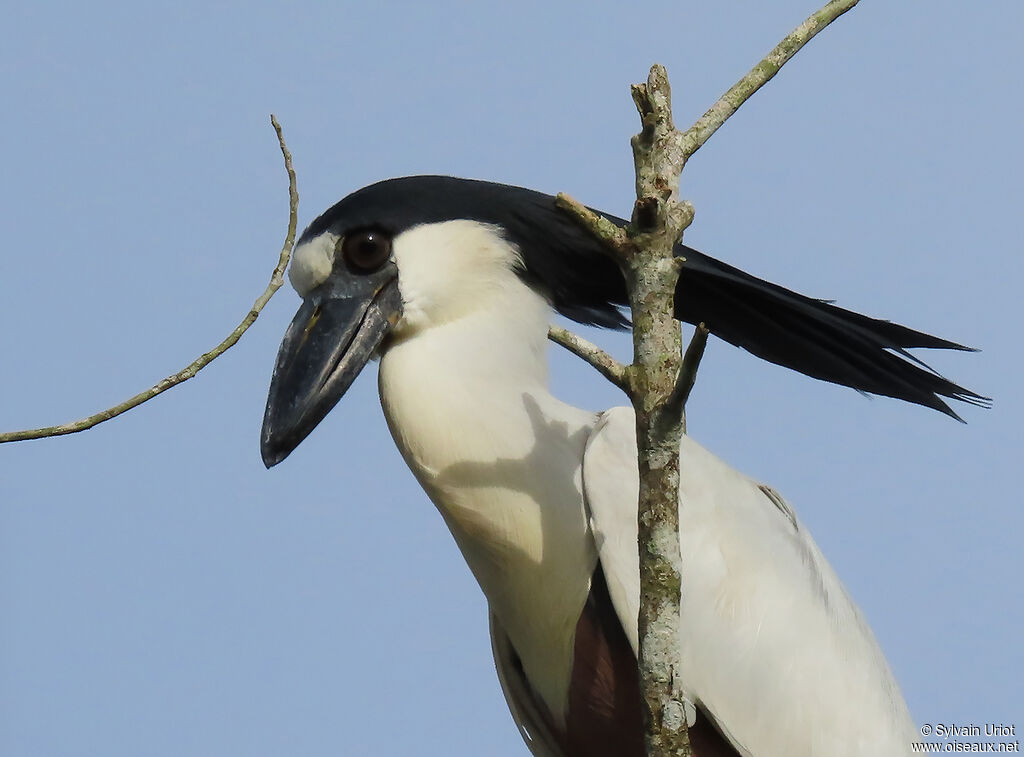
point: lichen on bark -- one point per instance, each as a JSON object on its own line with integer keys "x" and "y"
{"x": 660, "y": 378}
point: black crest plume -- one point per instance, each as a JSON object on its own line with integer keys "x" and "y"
{"x": 811, "y": 336}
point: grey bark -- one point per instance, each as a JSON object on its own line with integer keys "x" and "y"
{"x": 660, "y": 378}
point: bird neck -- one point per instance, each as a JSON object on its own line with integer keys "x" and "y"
{"x": 501, "y": 458}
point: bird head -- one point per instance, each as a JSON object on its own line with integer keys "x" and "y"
{"x": 409, "y": 253}
{"x": 406, "y": 254}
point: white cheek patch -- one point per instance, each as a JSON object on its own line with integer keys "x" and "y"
{"x": 450, "y": 268}
{"x": 312, "y": 263}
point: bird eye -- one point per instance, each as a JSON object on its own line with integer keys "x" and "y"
{"x": 366, "y": 250}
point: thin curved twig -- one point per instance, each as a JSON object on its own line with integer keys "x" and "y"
{"x": 276, "y": 280}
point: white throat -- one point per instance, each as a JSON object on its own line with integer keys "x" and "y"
{"x": 464, "y": 390}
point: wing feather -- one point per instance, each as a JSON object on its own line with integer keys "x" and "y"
{"x": 773, "y": 647}
{"x": 522, "y": 702}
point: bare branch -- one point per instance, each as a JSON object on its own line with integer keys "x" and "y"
{"x": 596, "y": 224}
{"x": 604, "y": 363}
{"x": 652, "y": 272}
{"x": 661, "y": 376}
{"x": 276, "y": 280}
{"x": 675, "y": 405}
{"x": 759, "y": 75}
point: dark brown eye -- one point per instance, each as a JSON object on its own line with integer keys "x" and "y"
{"x": 366, "y": 250}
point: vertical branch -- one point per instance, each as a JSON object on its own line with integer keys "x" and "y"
{"x": 659, "y": 380}
{"x": 652, "y": 271}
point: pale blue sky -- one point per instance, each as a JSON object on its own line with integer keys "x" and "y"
{"x": 162, "y": 594}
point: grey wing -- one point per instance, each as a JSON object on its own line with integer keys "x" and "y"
{"x": 773, "y": 648}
